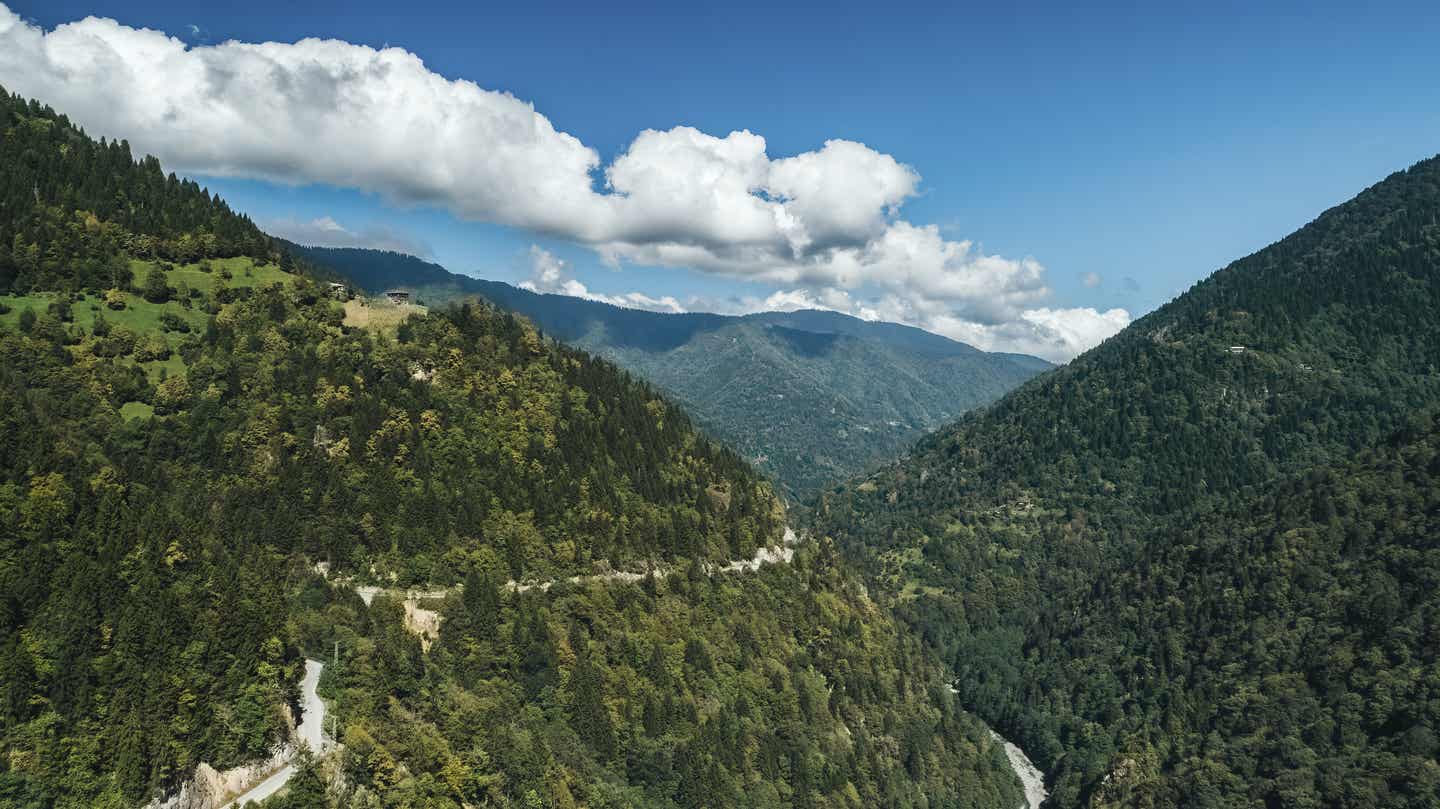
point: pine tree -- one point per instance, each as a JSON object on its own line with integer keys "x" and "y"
{"x": 306, "y": 788}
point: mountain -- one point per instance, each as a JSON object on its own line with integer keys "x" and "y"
{"x": 227, "y": 497}
{"x": 1197, "y": 565}
{"x": 839, "y": 393}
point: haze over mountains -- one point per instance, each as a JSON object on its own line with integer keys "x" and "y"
{"x": 811, "y": 397}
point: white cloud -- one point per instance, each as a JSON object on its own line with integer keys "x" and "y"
{"x": 1091, "y": 279}
{"x": 550, "y": 275}
{"x": 826, "y": 223}
{"x": 324, "y": 231}
{"x": 1055, "y": 334}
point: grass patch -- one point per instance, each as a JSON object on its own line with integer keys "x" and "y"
{"x": 378, "y": 313}
{"x": 157, "y": 370}
{"x": 139, "y": 315}
{"x": 131, "y": 411}
{"x": 913, "y": 590}
{"x": 143, "y": 317}
{"x": 19, "y": 303}
{"x": 243, "y": 270}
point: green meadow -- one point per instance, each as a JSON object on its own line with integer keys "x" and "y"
{"x": 143, "y": 317}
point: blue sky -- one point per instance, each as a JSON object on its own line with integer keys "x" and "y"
{"x": 1127, "y": 149}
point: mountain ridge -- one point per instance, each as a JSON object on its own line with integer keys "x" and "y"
{"x": 204, "y": 452}
{"x": 1011, "y": 538}
{"x": 834, "y": 406}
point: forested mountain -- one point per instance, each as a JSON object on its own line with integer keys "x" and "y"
{"x": 810, "y": 397}
{"x": 1159, "y": 568}
{"x": 70, "y": 207}
{"x": 202, "y": 454}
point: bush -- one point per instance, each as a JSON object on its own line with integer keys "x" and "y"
{"x": 152, "y": 347}
{"x": 157, "y": 288}
{"x": 169, "y": 321}
{"x": 171, "y": 394}
{"x": 118, "y": 342}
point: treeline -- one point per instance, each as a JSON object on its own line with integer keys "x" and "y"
{"x": 72, "y": 209}
{"x": 1038, "y": 543}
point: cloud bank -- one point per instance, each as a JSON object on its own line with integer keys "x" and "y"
{"x": 550, "y": 275}
{"x": 824, "y": 225}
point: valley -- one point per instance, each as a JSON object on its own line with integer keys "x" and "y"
{"x": 162, "y": 525}
{"x": 291, "y": 518}
{"x": 1158, "y": 566}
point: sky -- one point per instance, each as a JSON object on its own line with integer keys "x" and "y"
{"x": 1029, "y": 178}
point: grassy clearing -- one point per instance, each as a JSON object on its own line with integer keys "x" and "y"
{"x": 143, "y": 317}
{"x": 131, "y": 411}
{"x": 243, "y": 270}
{"x": 19, "y": 303}
{"x": 139, "y": 315}
{"x": 378, "y": 314}
{"x": 157, "y": 370}
{"x": 913, "y": 590}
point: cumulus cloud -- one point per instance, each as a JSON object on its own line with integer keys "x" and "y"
{"x": 824, "y": 223}
{"x": 550, "y": 275}
{"x": 1056, "y": 334}
{"x": 324, "y": 231}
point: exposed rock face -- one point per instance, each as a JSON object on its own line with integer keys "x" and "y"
{"x": 1130, "y": 781}
{"x": 1031, "y": 778}
{"x": 210, "y": 788}
{"x": 422, "y": 622}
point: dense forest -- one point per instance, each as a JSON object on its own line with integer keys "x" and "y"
{"x": 72, "y": 209}
{"x": 809, "y": 397}
{"x": 785, "y": 688}
{"x": 1286, "y": 650}
{"x": 202, "y": 454}
{"x": 1154, "y": 566}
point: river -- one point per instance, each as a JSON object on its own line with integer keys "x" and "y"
{"x": 1030, "y": 776}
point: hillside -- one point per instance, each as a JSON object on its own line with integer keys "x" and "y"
{"x": 838, "y": 393}
{"x": 1070, "y": 548}
{"x": 202, "y": 458}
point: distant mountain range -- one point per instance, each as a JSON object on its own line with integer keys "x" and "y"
{"x": 810, "y": 396}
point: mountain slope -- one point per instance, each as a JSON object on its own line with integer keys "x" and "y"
{"x": 1017, "y": 539}
{"x": 811, "y": 397}
{"x": 1283, "y": 651}
{"x": 198, "y": 468}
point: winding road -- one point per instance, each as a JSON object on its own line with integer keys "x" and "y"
{"x": 1031, "y": 777}
{"x": 311, "y": 732}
